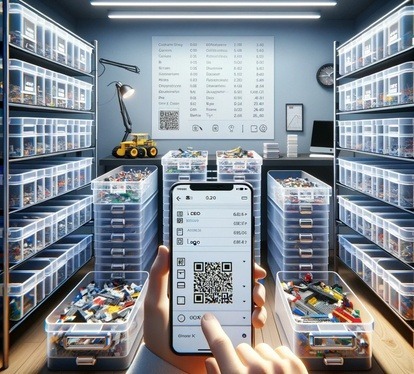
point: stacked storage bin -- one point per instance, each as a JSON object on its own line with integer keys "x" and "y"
{"x": 244, "y": 167}
{"x": 40, "y": 36}
{"x": 125, "y": 218}
{"x": 385, "y": 225}
{"x": 298, "y": 222}
{"x": 180, "y": 166}
{"x": 33, "y": 85}
{"x": 35, "y": 279}
{"x": 391, "y": 279}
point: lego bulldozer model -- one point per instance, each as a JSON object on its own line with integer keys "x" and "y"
{"x": 140, "y": 146}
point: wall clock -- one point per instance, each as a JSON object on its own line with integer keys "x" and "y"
{"x": 325, "y": 75}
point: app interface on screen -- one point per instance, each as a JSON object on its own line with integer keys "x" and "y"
{"x": 211, "y": 264}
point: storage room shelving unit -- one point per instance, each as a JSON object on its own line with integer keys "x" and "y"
{"x": 374, "y": 88}
{"x": 68, "y": 64}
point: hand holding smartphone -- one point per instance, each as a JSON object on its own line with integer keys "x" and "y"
{"x": 211, "y": 231}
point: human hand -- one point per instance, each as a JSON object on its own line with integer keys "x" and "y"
{"x": 245, "y": 359}
{"x": 156, "y": 314}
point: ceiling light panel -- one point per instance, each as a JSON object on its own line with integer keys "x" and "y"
{"x": 206, "y": 4}
{"x": 211, "y": 15}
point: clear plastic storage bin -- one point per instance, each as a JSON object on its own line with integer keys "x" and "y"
{"x": 296, "y": 187}
{"x": 23, "y": 137}
{"x": 23, "y": 82}
{"x": 383, "y": 268}
{"x": 401, "y": 292}
{"x": 32, "y": 85}
{"x": 389, "y": 37}
{"x": 398, "y": 84}
{"x": 229, "y": 164}
{"x": 346, "y": 344}
{"x": 174, "y": 162}
{"x": 26, "y": 29}
{"x": 361, "y": 255}
{"x": 277, "y": 263}
{"x": 96, "y": 346}
{"x": 125, "y": 185}
{"x": 180, "y": 166}
{"x": 393, "y": 86}
{"x": 399, "y": 137}
{"x": 399, "y": 31}
{"x": 26, "y": 290}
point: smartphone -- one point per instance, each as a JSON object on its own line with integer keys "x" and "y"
{"x": 211, "y": 240}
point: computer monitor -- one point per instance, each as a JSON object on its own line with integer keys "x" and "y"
{"x": 322, "y": 140}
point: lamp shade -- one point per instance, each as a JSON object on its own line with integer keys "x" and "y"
{"x": 126, "y": 91}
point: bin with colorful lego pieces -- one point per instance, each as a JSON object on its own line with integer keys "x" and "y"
{"x": 323, "y": 321}
{"x": 180, "y": 165}
{"x": 125, "y": 185}
{"x": 98, "y": 326}
{"x": 292, "y": 187}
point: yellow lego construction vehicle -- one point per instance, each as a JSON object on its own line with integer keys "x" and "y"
{"x": 140, "y": 146}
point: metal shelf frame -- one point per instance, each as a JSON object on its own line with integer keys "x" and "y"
{"x": 9, "y": 51}
{"x": 406, "y": 328}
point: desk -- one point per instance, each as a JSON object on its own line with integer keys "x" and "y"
{"x": 313, "y": 165}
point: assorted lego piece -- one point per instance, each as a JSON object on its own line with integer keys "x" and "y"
{"x": 316, "y": 302}
{"x": 296, "y": 187}
{"x": 111, "y": 303}
{"x": 125, "y": 185}
{"x": 185, "y": 161}
{"x": 238, "y": 160}
{"x": 99, "y": 323}
{"x": 322, "y": 321}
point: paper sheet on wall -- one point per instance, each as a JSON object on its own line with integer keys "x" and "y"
{"x": 211, "y": 87}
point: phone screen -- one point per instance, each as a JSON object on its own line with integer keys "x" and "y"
{"x": 211, "y": 262}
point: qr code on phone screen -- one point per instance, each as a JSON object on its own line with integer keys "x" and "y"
{"x": 169, "y": 120}
{"x": 213, "y": 283}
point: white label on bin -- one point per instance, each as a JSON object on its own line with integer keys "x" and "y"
{"x": 393, "y": 34}
{"x": 61, "y": 91}
{"x": 367, "y": 50}
{"x": 393, "y": 86}
{"x": 29, "y": 85}
{"x": 28, "y": 29}
{"x": 61, "y": 46}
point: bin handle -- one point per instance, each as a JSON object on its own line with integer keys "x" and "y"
{"x": 82, "y": 342}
